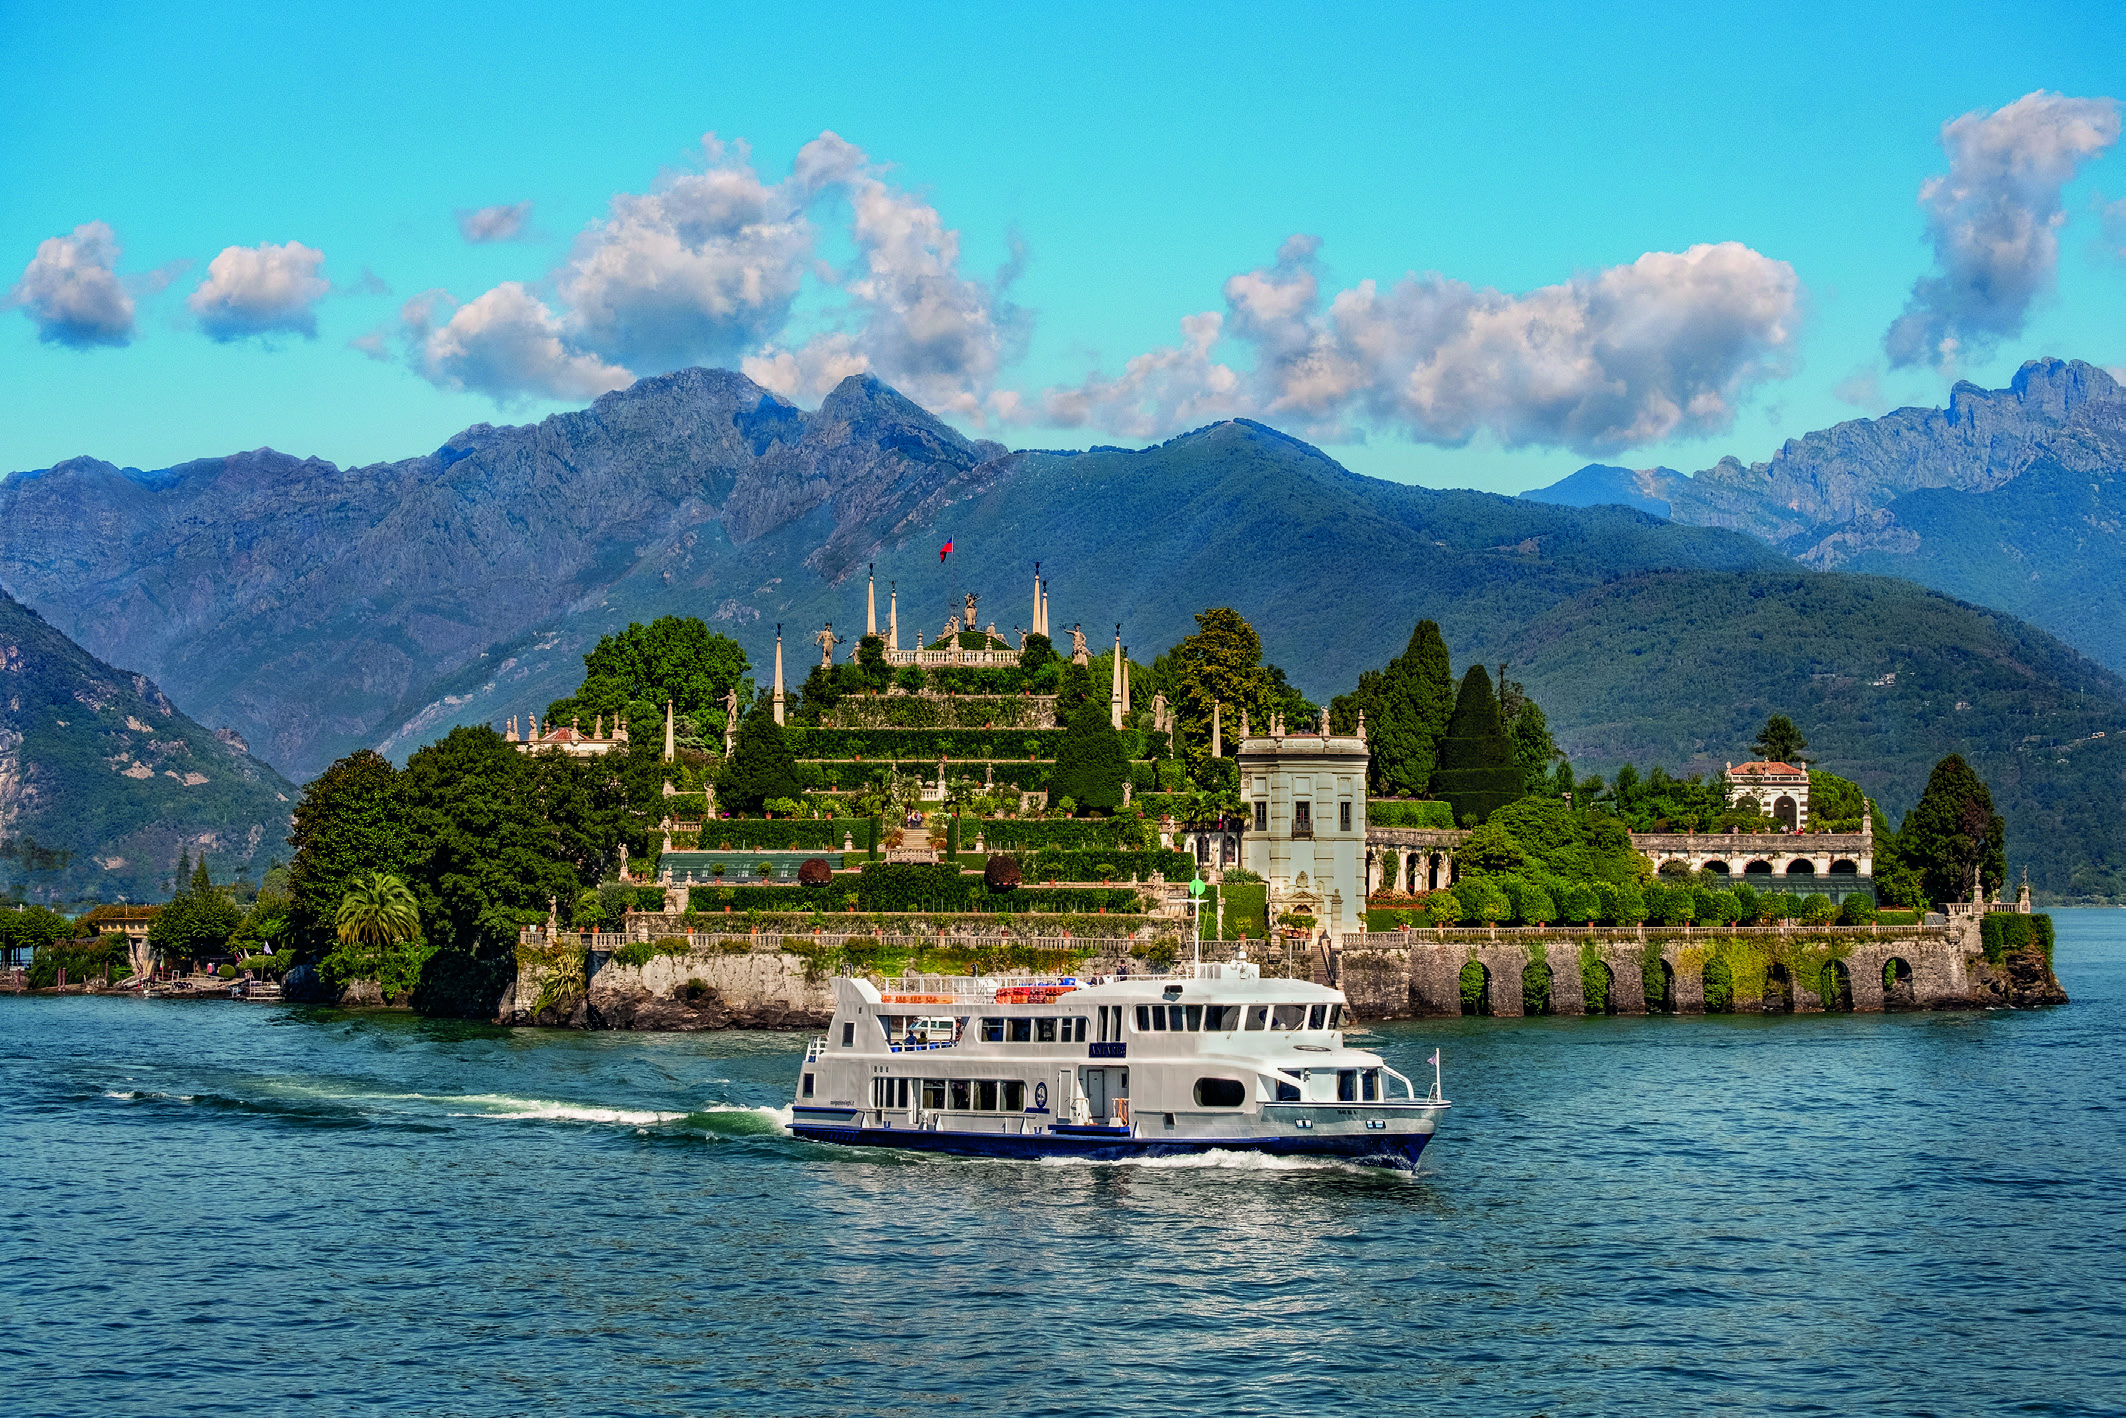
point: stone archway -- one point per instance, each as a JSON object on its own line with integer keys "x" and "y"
{"x": 1759, "y": 867}
{"x": 1836, "y": 987}
{"x": 1778, "y": 990}
{"x": 1598, "y": 987}
{"x": 1717, "y": 867}
{"x": 1788, "y": 812}
{"x": 1898, "y": 991}
{"x": 1476, "y": 988}
{"x": 1845, "y": 866}
{"x": 1801, "y": 866}
{"x": 1535, "y": 988}
{"x": 1666, "y": 1003}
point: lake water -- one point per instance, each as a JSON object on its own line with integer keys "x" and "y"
{"x": 213, "y": 1208}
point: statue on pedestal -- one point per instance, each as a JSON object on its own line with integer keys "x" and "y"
{"x": 1080, "y": 653}
{"x": 827, "y": 641}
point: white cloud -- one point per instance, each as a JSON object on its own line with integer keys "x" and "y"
{"x": 261, "y": 290}
{"x": 508, "y": 222}
{"x": 1994, "y": 222}
{"x": 2112, "y": 217}
{"x": 1862, "y": 389}
{"x": 1667, "y": 345}
{"x": 702, "y": 270}
{"x": 937, "y": 335}
{"x": 505, "y": 344}
{"x": 71, "y": 291}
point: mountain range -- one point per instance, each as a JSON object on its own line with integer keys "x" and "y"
{"x": 2007, "y": 497}
{"x": 104, "y": 783}
{"x": 318, "y": 609}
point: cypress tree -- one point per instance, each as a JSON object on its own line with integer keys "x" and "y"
{"x": 1090, "y": 764}
{"x": 761, "y": 766}
{"x": 1477, "y": 773}
{"x": 1407, "y": 708}
{"x": 1952, "y": 832}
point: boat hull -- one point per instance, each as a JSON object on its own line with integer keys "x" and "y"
{"x": 1398, "y": 1150}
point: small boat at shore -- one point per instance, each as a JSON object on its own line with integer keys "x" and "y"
{"x": 1206, "y": 1057}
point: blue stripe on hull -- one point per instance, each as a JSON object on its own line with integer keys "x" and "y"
{"x": 1401, "y": 1150}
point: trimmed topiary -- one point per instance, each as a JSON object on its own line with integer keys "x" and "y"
{"x": 1001, "y": 872}
{"x": 814, "y": 872}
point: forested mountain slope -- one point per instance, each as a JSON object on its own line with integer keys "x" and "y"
{"x": 318, "y": 609}
{"x": 1884, "y": 677}
{"x": 103, "y": 782}
{"x": 2008, "y": 497}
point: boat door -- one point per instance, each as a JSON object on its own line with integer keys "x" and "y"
{"x": 1096, "y": 1093}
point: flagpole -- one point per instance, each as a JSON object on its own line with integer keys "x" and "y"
{"x": 1435, "y": 1076}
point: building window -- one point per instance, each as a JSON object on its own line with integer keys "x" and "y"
{"x": 1262, "y": 816}
{"x": 1302, "y": 818}
{"x": 1343, "y": 817}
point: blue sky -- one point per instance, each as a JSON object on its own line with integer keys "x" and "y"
{"x": 1649, "y": 237}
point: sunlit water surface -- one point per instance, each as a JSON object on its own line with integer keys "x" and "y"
{"x": 214, "y": 1208}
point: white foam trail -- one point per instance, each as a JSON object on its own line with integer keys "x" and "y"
{"x": 1224, "y": 1161}
{"x": 503, "y": 1107}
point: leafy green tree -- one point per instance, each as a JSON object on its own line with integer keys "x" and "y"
{"x": 1533, "y": 748}
{"x": 1091, "y": 766}
{"x": 347, "y": 821}
{"x": 1835, "y": 803}
{"x": 1779, "y": 741}
{"x": 762, "y": 765}
{"x": 378, "y": 927}
{"x": 197, "y": 922}
{"x": 1537, "y": 907}
{"x": 1953, "y": 838}
{"x": 1477, "y": 772}
{"x": 1407, "y": 706}
{"x": 871, "y": 660}
{"x": 483, "y": 859}
{"x": 1817, "y": 910}
{"x": 1220, "y": 664}
{"x": 1491, "y": 851}
{"x": 676, "y": 658}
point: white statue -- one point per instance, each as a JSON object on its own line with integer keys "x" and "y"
{"x": 827, "y": 641}
{"x": 1080, "y": 653}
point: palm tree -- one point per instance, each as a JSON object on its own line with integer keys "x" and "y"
{"x": 377, "y": 913}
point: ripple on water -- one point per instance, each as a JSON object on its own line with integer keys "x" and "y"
{"x": 217, "y": 1209}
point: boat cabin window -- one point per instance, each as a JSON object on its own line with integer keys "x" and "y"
{"x": 962, "y": 1095}
{"x": 1195, "y": 1017}
{"x": 1144, "y": 1019}
{"x": 985, "y": 1095}
{"x": 1287, "y": 1087}
{"x": 848, "y": 1034}
{"x": 934, "y": 1094}
{"x": 1318, "y": 1016}
{"x": 1221, "y": 1016}
{"x": 805, "y": 1089}
{"x": 1369, "y": 1086}
{"x": 1074, "y": 1029}
{"x": 1288, "y": 1016}
{"x": 1044, "y": 1031}
{"x": 993, "y": 1029}
{"x": 889, "y": 1092}
{"x": 1020, "y": 1031}
{"x": 1220, "y": 1093}
{"x": 1258, "y": 1016}
{"x": 1347, "y": 1085}
{"x": 1014, "y": 1095}
{"x": 1336, "y": 1016}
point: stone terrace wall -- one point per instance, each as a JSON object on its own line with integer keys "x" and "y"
{"x": 1417, "y": 973}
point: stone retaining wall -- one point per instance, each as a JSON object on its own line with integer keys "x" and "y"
{"x": 1417, "y": 973}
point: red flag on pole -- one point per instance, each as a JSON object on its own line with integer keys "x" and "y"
{"x": 944, "y": 549}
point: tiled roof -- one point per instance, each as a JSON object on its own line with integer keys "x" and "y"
{"x": 1763, "y": 768}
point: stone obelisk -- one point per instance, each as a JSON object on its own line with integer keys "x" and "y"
{"x": 778, "y": 674}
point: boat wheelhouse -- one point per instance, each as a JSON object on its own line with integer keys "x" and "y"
{"x": 1209, "y": 1056}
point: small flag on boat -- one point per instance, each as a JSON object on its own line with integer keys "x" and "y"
{"x": 943, "y": 550}
{"x": 1434, "y": 1060}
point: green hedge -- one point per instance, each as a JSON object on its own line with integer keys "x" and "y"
{"x": 835, "y": 744}
{"x": 929, "y": 711}
{"x": 1084, "y": 865}
{"x": 848, "y": 776}
{"x": 1247, "y": 910}
{"x": 1024, "y": 834}
{"x": 916, "y": 886}
{"x": 1398, "y": 812}
{"x": 800, "y": 834}
{"x": 2003, "y": 933}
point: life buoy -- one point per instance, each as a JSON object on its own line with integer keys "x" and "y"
{"x": 1040, "y": 1095}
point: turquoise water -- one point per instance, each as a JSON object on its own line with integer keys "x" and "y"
{"x": 213, "y": 1208}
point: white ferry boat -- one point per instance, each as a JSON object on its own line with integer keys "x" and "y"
{"x": 1205, "y": 1057}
